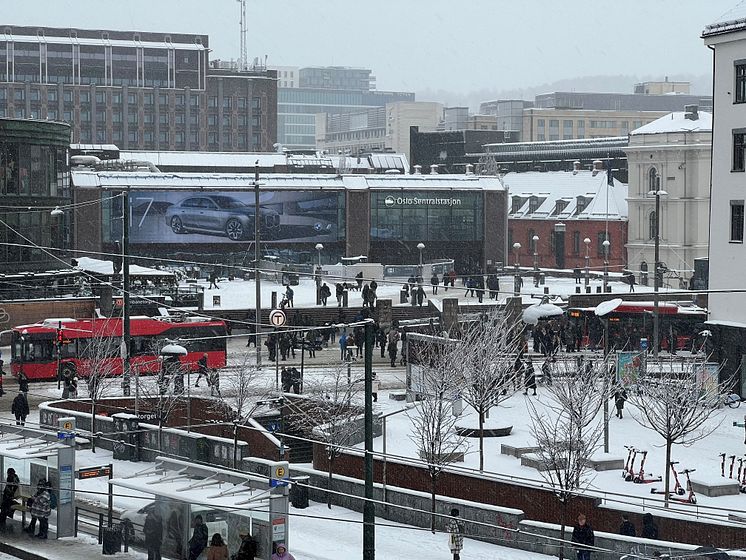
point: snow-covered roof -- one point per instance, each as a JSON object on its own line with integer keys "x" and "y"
{"x": 732, "y": 20}
{"x": 556, "y": 195}
{"x": 677, "y": 122}
{"x": 96, "y": 266}
{"x": 140, "y": 180}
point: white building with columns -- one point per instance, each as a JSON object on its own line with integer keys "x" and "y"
{"x": 674, "y": 153}
{"x": 727, "y": 302}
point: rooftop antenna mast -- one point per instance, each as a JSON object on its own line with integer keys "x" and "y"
{"x": 243, "y": 59}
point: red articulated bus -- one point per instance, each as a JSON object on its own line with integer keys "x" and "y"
{"x": 632, "y": 320}
{"x": 68, "y": 346}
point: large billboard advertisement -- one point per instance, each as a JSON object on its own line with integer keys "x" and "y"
{"x": 228, "y": 217}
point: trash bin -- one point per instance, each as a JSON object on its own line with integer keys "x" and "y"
{"x": 111, "y": 538}
{"x": 403, "y": 296}
{"x": 299, "y": 492}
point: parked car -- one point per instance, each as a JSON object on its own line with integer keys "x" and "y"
{"x": 220, "y": 215}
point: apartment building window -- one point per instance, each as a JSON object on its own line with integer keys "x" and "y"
{"x": 85, "y": 96}
{"x": 575, "y": 242}
{"x": 740, "y": 82}
{"x": 163, "y": 118}
{"x": 213, "y": 101}
{"x": 736, "y": 221}
{"x": 100, "y": 97}
{"x": 652, "y": 225}
{"x": 179, "y": 118}
{"x": 148, "y": 99}
{"x": 194, "y": 100}
{"x": 67, "y": 96}
{"x": 162, "y": 99}
{"x": 226, "y": 102}
{"x": 600, "y": 238}
{"x": 132, "y": 98}
{"x": 242, "y": 103}
{"x": 148, "y": 118}
{"x": 19, "y": 95}
{"x": 566, "y": 130}
{"x": 34, "y": 95}
{"x": 212, "y": 120}
{"x": 180, "y": 99}
{"x": 256, "y": 102}
{"x": 739, "y": 143}
{"x": 116, "y": 98}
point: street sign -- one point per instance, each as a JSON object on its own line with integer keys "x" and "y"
{"x": 93, "y": 472}
{"x": 277, "y": 318}
{"x": 67, "y": 424}
{"x": 280, "y": 474}
{"x": 643, "y": 344}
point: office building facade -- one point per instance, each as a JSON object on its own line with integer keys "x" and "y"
{"x": 138, "y": 90}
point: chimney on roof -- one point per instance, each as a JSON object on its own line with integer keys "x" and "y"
{"x": 418, "y": 170}
{"x": 434, "y": 169}
{"x": 575, "y": 167}
{"x": 691, "y": 112}
{"x": 598, "y": 165}
{"x": 469, "y": 169}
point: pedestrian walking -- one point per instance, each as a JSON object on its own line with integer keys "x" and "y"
{"x": 631, "y": 282}
{"x": 392, "y": 350}
{"x": 153, "y": 532}
{"x": 455, "y": 534}
{"x": 434, "y": 281}
{"x": 214, "y": 382}
{"x": 285, "y": 379}
{"x": 530, "y": 378}
{"x": 339, "y": 292}
{"x": 295, "y": 380}
{"x": 420, "y": 295}
{"x": 620, "y": 397}
{"x": 576, "y": 274}
{"x": 8, "y": 502}
{"x": 324, "y": 293}
{"x": 213, "y": 281}
{"x": 289, "y": 295}
{"x": 202, "y": 370}
{"x": 546, "y": 371}
{"x": 20, "y": 409}
{"x": 582, "y": 534}
{"x": 627, "y": 527}
{"x": 248, "y": 548}
{"x": 22, "y": 382}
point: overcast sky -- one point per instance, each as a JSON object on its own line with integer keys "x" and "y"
{"x": 418, "y": 45}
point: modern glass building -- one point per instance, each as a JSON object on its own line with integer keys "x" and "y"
{"x": 34, "y": 179}
{"x": 297, "y": 109}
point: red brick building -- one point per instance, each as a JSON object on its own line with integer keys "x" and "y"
{"x": 564, "y": 209}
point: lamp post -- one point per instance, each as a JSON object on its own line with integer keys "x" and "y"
{"x": 535, "y": 239}
{"x": 587, "y": 242}
{"x": 420, "y": 247}
{"x": 517, "y": 277}
{"x": 125, "y": 294}
{"x": 257, "y": 274}
{"x": 657, "y": 257}
{"x": 606, "y": 244}
{"x": 319, "y": 248}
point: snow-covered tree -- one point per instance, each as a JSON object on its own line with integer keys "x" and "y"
{"x": 483, "y": 359}
{"x": 679, "y": 401}
{"x": 568, "y": 429}
{"x": 433, "y": 422}
{"x": 240, "y": 392}
{"x": 329, "y": 412}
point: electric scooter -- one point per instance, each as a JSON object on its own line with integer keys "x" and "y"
{"x": 630, "y": 472}
{"x": 740, "y": 468}
{"x": 742, "y": 481}
{"x": 626, "y": 471}
{"x": 722, "y": 465}
{"x": 640, "y": 477}
{"x": 678, "y": 488}
{"x": 732, "y": 462}
{"x": 691, "y": 498}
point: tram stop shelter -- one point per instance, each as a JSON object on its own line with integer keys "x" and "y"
{"x": 38, "y": 454}
{"x": 230, "y": 503}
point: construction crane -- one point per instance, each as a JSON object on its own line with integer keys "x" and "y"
{"x": 243, "y": 58}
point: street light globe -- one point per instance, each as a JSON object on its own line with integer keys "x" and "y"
{"x": 587, "y": 241}
{"x": 606, "y": 243}
{"x": 535, "y": 238}
{"x": 319, "y": 247}
{"x": 516, "y": 246}
{"x": 420, "y": 246}
{"x": 56, "y": 212}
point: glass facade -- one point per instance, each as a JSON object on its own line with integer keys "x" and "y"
{"x": 426, "y": 216}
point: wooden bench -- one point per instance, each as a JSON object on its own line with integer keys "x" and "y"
{"x": 516, "y": 451}
{"x": 398, "y": 395}
{"x": 715, "y": 487}
{"x": 535, "y": 462}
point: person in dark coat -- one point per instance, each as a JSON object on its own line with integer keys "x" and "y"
{"x": 649, "y": 528}
{"x": 393, "y": 349}
{"x": 530, "y": 378}
{"x": 627, "y": 527}
{"x": 620, "y": 397}
{"x": 8, "y": 497}
{"x": 20, "y": 409}
{"x": 153, "y": 531}
{"x": 202, "y": 370}
{"x": 41, "y": 509}
{"x": 22, "y": 382}
{"x": 199, "y": 539}
{"x": 359, "y": 280}
{"x": 324, "y": 294}
{"x": 434, "y": 281}
{"x": 582, "y": 534}
{"x": 248, "y": 548}
{"x": 285, "y": 379}
{"x": 382, "y": 342}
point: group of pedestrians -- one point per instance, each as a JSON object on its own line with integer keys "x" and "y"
{"x": 584, "y": 537}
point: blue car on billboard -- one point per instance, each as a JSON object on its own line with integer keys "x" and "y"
{"x": 220, "y": 215}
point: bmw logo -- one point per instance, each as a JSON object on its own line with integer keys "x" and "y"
{"x": 389, "y": 201}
